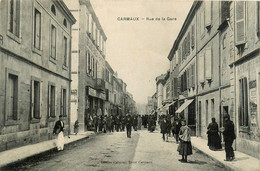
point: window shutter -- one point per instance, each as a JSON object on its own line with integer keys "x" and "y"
{"x": 201, "y": 68}
{"x": 61, "y": 103}
{"x": 192, "y": 36}
{"x": 240, "y": 22}
{"x": 258, "y": 19}
{"x": 188, "y": 44}
{"x": 208, "y": 5}
{"x": 245, "y": 102}
{"x": 32, "y": 99}
{"x": 37, "y": 29}
{"x": 193, "y": 74}
{"x": 40, "y": 103}
{"x": 49, "y": 100}
{"x": 208, "y": 64}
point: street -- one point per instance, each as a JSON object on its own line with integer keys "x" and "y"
{"x": 114, "y": 151}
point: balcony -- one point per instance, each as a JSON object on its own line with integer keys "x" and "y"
{"x": 100, "y": 85}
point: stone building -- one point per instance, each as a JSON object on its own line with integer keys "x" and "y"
{"x": 35, "y": 48}
{"x": 244, "y": 65}
{"x": 88, "y": 67}
{"x": 217, "y": 57}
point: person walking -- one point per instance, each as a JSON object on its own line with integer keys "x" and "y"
{"x": 184, "y": 147}
{"x": 129, "y": 124}
{"x": 58, "y": 130}
{"x": 214, "y": 141}
{"x": 76, "y": 127}
{"x": 229, "y": 136}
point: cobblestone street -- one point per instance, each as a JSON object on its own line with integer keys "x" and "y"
{"x": 113, "y": 151}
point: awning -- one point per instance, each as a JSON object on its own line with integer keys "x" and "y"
{"x": 183, "y": 106}
{"x": 168, "y": 105}
{"x": 159, "y": 108}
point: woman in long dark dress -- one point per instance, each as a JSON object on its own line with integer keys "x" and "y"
{"x": 184, "y": 147}
{"x": 214, "y": 141}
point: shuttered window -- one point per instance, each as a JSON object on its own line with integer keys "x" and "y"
{"x": 35, "y": 99}
{"x": 14, "y": 17}
{"x": 208, "y": 63}
{"x": 51, "y": 101}
{"x": 258, "y": 19}
{"x": 240, "y": 21}
{"x": 192, "y": 37}
{"x": 208, "y": 15}
{"x": 243, "y": 102}
{"x": 37, "y": 29}
{"x": 65, "y": 50}
{"x": 63, "y": 105}
{"x": 53, "y": 42}
{"x": 201, "y": 68}
{"x": 188, "y": 44}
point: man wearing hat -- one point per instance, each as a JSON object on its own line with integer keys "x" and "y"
{"x": 229, "y": 136}
{"x": 129, "y": 124}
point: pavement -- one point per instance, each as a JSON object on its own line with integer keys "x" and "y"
{"x": 241, "y": 162}
{"x": 21, "y": 153}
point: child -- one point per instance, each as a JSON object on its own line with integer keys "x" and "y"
{"x": 185, "y": 141}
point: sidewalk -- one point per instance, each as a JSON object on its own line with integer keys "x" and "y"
{"x": 241, "y": 162}
{"x": 16, "y": 154}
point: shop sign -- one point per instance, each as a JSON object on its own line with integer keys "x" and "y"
{"x": 92, "y": 92}
{"x": 102, "y": 96}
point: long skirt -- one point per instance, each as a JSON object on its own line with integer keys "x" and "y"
{"x": 184, "y": 148}
{"x": 60, "y": 141}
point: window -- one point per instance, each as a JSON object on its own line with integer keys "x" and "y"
{"x": 92, "y": 29}
{"x": 53, "y": 10}
{"x": 240, "y": 22}
{"x": 188, "y": 44}
{"x": 212, "y": 108}
{"x": 51, "y": 101}
{"x": 14, "y": 17}
{"x": 63, "y": 105}
{"x": 88, "y": 66}
{"x": 93, "y": 67}
{"x": 243, "y": 102}
{"x": 65, "y": 50}
{"x": 202, "y": 22}
{"x": 65, "y": 22}
{"x": 208, "y": 6}
{"x": 12, "y": 97}
{"x": 192, "y": 37}
{"x": 208, "y": 64}
{"x": 201, "y": 68}
{"x": 258, "y": 19}
{"x": 35, "y": 99}
{"x": 225, "y": 10}
{"x": 207, "y": 112}
{"x": 37, "y": 29}
{"x": 53, "y": 42}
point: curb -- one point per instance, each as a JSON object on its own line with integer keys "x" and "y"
{"x": 51, "y": 150}
{"x": 217, "y": 161}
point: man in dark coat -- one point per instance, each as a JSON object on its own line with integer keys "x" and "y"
{"x": 129, "y": 123}
{"x": 229, "y": 136}
{"x": 177, "y": 129}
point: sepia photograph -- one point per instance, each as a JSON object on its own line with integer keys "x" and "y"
{"x": 138, "y": 85}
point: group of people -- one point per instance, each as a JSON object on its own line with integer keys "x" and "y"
{"x": 105, "y": 123}
{"x": 168, "y": 125}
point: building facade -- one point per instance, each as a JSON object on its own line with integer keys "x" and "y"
{"x": 88, "y": 67}
{"x": 217, "y": 57}
{"x": 35, "y": 50}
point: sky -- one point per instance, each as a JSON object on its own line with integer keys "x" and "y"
{"x": 138, "y": 50}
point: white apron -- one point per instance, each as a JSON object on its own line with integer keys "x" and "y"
{"x": 60, "y": 141}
